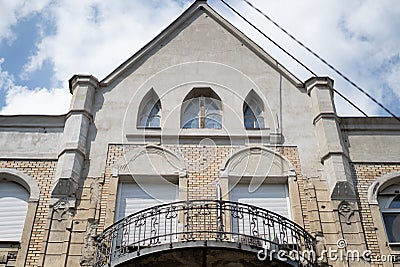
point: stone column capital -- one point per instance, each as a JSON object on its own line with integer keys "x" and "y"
{"x": 320, "y": 82}
{"x": 82, "y": 80}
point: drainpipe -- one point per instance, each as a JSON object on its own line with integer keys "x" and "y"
{"x": 219, "y": 191}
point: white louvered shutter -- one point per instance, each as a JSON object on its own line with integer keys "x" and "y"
{"x": 132, "y": 198}
{"x": 272, "y": 197}
{"x": 13, "y": 207}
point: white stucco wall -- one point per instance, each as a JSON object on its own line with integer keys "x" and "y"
{"x": 202, "y": 54}
{"x": 30, "y": 136}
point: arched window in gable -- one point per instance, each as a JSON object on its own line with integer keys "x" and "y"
{"x": 253, "y": 111}
{"x": 202, "y": 108}
{"x": 150, "y": 111}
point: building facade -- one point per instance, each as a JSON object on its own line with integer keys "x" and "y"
{"x": 199, "y": 150}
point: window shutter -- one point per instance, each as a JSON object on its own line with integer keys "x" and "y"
{"x": 273, "y": 197}
{"x": 13, "y": 207}
{"x": 132, "y": 198}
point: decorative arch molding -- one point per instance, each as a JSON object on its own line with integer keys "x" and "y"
{"x": 150, "y": 160}
{"x": 257, "y": 161}
{"x": 380, "y": 184}
{"x": 23, "y": 179}
{"x": 252, "y": 95}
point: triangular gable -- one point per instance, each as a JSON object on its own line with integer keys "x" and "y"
{"x": 200, "y": 6}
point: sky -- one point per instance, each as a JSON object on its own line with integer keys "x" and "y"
{"x": 44, "y": 42}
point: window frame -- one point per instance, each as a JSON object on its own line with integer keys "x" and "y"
{"x": 22, "y": 203}
{"x": 32, "y": 187}
{"x": 255, "y": 106}
{"x": 201, "y": 115}
{"x": 147, "y": 113}
{"x": 385, "y": 199}
{"x": 258, "y": 120}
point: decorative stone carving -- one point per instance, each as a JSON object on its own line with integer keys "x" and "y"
{"x": 346, "y": 210}
{"x": 89, "y": 247}
{"x": 64, "y": 208}
{"x": 95, "y": 192}
{"x": 149, "y": 160}
{"x": 257, "y": 162}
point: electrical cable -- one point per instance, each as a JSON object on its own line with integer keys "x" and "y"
{"x": 291, "y": 56}
{"x": 322, "y": 60}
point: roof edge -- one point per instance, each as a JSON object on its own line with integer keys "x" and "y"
{"x": 32, "y": 121}
{"x": 376, "y": 123}
{"x": 201, "y": 5}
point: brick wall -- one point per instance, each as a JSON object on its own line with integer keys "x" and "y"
{"x": 204, "y": 164}
{"x": 364, "y": 174}
{"x": 42, "y": 171}
{"x": 292, "y": 154}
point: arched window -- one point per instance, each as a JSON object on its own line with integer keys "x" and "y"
{"x": 152, "y": 178}
{"x": 253, "y": 112}
{"x": 202, "y": 108}
{"x": 150, "y": 111}
{"x": 259, "y": 177}
{"x": 151, "y": 115}
{"x": 253, "y": 116}
{"x": 389, "y": 204}
{"x": 13, "y": 207}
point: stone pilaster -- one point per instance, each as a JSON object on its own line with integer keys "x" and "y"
{"x": 74, "y": 143}
{"x": 333, "y": 153}
{"x": 68, "y": 175}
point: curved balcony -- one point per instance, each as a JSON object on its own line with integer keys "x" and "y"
{"x": 205, "y": 223}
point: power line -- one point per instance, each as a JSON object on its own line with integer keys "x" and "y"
{"x": 322, "y": 60}
{"x": 349, "y": 101}
{"x": 272, "y": 41}
{"x": 316, "y": 55}
{"x": 291, "y": 56}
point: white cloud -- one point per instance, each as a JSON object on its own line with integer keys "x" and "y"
{"x": 93, "y": 37}
{"x": 96, "y": 36}
{"x": 12, "y": 11}
{"x": 357, "y": 37}
{"x": 20, "y": 99}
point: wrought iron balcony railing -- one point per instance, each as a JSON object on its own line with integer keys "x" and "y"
{"x": 202, "y": 220}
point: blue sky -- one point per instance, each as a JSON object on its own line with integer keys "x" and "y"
{"x": 44, "y": 42}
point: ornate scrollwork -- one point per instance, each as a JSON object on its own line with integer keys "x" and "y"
{"x": 346, "y": 210}
{"x": 202, "y": 220}
{"x": 253, "y": 211}
{"x": 283, "y": 232}
{"x": 171, "y": 213}
{"x": 140, "y": 220}
{"x": 237, "y": 212}
{"x": 154, "y": 226}
{"x": 64, "y": 207}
